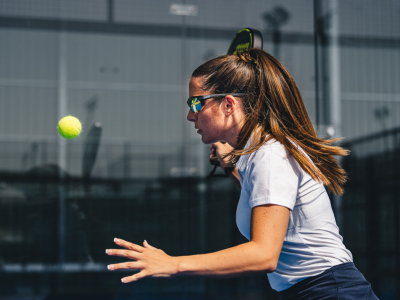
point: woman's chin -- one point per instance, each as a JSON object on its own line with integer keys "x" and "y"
{"x": 208, "y": 140}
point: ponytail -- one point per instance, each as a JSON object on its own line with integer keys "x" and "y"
{"x": 273, "y": 108}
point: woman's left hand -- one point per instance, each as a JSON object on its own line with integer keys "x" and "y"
{"x": 151, "y": 262}
{"x": 217, "y": 150}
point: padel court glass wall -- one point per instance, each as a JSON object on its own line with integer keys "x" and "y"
{"x": 123, "y": 66}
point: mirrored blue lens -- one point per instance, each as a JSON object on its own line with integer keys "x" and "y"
{"x": 195, "y": 105}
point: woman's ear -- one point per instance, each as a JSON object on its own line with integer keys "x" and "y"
{"x": 230, "y": 104}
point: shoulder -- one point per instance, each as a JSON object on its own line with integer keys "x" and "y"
{"x": 275, "y": 147}
{"x": 271, "y": 148}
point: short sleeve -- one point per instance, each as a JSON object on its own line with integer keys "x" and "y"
{"x": 273, "y": 177}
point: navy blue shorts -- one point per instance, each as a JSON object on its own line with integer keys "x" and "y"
{"x": 344, "y": 282}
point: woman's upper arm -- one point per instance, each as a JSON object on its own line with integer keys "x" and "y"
{"x": 269, "y": 224}
{"x": 271, "y": 179}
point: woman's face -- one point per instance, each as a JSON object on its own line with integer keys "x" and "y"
{"x": 209, "y": 121}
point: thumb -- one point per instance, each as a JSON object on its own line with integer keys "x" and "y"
{"x": 147, "y": 245}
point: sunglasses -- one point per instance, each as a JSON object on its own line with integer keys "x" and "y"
{"x": 197, "y": 103}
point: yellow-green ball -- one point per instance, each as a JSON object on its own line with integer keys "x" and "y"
{"x": 69, "y": 127}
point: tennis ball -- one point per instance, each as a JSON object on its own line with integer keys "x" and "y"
{"x": 69, "y": 127}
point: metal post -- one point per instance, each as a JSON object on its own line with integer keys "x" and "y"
{"x": 184, "y": 92}
{"x": 334, "y": 67}
{"x": 127, "y": 160}
{"x": 335, "y": 89}
{"x": 316, "y": 61}
{"x": 276, "y": 39}
{"x": 62, "y": 152}
{"x": 110, "y": 11}
{"x": 43, "y": 152}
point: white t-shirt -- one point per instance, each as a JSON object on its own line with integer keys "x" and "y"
{"x": 312, "y": 243}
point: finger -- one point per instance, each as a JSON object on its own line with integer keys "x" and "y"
{"x": 212, "y": 154}
{"x": 135, "y": 277}
{"x": 124, "y": 253}
{"x": 125, "y": 266}
{"x": 215, "y": 145}
{"x": 147, "y": 245}
{"x": 128, "y": 245}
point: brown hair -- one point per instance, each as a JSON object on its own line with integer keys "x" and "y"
{"x": 273, "y": 106}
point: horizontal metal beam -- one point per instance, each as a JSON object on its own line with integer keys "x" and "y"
{"x": 390, "y": 133}
{"x": 113, "y": 28}
{"x": 176, "y": 31}
{"x": 55, "y": 268}
{"x": 170, "y": 88}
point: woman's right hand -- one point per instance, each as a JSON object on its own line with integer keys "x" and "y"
{"x": 219, "y": 149}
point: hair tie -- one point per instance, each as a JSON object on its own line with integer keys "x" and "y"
{"x": 246, "y": 57}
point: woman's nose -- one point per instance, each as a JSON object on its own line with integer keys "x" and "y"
{"x": 191, "y": 116}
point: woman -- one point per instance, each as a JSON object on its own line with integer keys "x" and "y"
{"x": 251, "y": 102}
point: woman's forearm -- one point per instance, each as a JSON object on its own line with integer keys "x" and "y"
{"x": 245, "y": 259}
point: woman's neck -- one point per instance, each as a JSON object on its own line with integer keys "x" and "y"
{"x": 232, "y": 134}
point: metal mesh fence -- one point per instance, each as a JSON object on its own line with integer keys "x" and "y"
{"x": 370, "y": 208}
{"x": 126, "y": 65}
